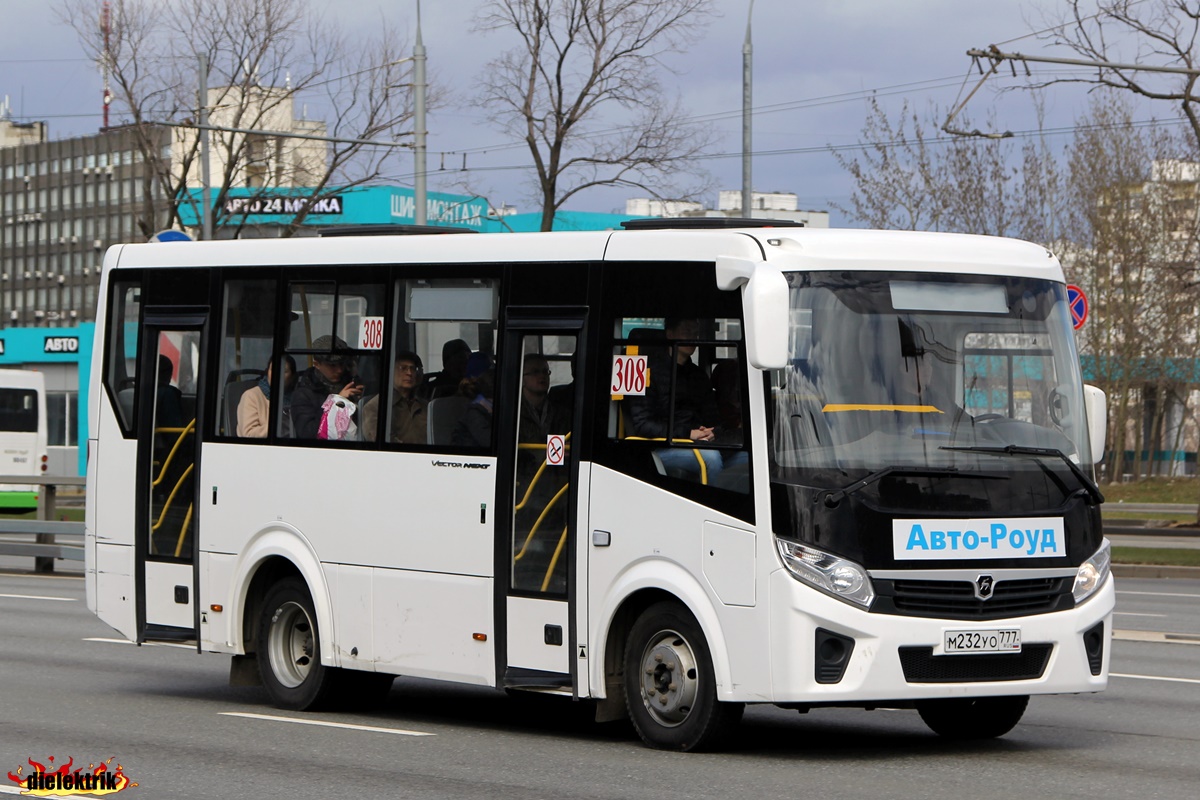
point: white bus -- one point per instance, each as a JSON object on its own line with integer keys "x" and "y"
{"x": 892, "y": 503}
{"x": 23, "y": 448}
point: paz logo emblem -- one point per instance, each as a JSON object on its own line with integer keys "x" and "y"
{"x": 983, "y": 587}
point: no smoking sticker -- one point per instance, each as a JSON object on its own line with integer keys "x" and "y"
{"x": 556, "y": 449}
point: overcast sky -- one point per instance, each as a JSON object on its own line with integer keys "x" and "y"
{"x": 814, "y": 61}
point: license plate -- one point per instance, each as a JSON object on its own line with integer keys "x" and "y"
{"x": 1001, "y": 640}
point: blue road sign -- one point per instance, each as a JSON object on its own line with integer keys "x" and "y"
{"x": 170, "y": 236}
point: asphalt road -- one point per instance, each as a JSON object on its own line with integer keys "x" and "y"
{"x": 168, "y": 716}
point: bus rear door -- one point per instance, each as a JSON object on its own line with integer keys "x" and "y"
{"x": 171, "y": 358}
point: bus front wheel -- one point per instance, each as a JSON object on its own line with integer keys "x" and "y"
{"x": 973, "y": 718}
{"x": 670, "y": 688}
{"x": 289, "y": 648}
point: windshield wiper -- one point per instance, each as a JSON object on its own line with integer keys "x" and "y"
{"x": 833, "y": 498}
{"x": 1018, "y": 450}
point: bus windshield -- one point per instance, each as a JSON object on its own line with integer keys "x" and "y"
{"x": 925, "y": 371}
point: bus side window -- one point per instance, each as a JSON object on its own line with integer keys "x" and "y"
{"x": 678, "y": 398}
{"x": 248, "y": 325}
{"x": 337, "y": 342}
{"x": 452, "y": 324}
{"x": 122, "y": 349}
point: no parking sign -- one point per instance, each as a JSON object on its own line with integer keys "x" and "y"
{"x": 1078, "y": 303}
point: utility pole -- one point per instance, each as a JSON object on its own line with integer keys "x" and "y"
{"x": 747, "y": 137}
{"x": 419, "y": 193}
{"x": 105, "y": 26}
{"x": 206, "y": 222}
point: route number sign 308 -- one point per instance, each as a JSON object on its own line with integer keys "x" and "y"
{"x": 630, "y": 375}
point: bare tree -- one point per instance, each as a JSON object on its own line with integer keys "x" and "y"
{"x": 1135, "y": 250}
{"x": 895, "y": 182}
{"x": 907, "y": 177}
{"x": 579, "y": 60}
{"x": 1148, "y": 33}
{"x": 266, "y": 58}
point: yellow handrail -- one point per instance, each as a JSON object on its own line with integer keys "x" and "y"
{"x": 162, "y": 514}
{"x": 541, "y": 517}
{"x": 695, "y": 452}
{"x": 562, "y": 540}
{"x": 834, "y": 408}
{"x": 183, "y": 530}
{"x": 183, "y": 432}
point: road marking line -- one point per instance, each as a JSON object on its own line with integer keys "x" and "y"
{"x": 1158, "y": 594}
{"x": 323, "y": 724}
{"x": 1136, "y": 614}
{"x": 40, "y": 597}
{"x": 1153, "y": 678}
{"x": 1156, "y": 636}
{"x": 145, "y": 644}
{"x": 38, "y": 576}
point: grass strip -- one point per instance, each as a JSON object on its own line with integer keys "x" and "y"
{"x": 1159, "y": 556}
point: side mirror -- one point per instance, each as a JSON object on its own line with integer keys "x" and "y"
{"x": 1097, "y": 419}
{"x": 764, "y": 306}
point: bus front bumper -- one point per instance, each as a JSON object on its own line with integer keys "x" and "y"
{"x": 827, "y": 651}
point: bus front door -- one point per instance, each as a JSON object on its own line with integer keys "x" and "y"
{"x": 168, "y": 462}
{"x": 537, "y": 409}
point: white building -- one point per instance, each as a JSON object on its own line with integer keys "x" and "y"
{"x": 270, "y": 161}
{"x": 764, "y": 205}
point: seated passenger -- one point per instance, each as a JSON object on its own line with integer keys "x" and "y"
{"x": 324, "y": 403}
{"x": 696, "y": 414}
{"x": 409, "y": 424}
{"x": 168, "y": 400}
{"x": 540, "y": 416}
{"x": 475, "y": 428}
{"x": 454, "y": 367}
{"x": 254, "y": 409}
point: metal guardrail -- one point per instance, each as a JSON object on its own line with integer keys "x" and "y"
{"x": 46, "y": 546}
{"x": 56, "y": 539}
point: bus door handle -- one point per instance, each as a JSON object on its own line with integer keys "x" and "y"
{"x": 601, "y": 538}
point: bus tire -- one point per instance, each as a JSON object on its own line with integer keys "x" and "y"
{"x": 972, "y": 718}
{"x": 289, "y": 649}
{"x": 670, "y": 687}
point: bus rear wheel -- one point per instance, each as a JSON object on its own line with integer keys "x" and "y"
{"x": 973, "y": 718}
{"x": 670, "y": 687}
{"x": 289, "y": 649}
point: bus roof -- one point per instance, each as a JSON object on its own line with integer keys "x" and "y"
{"x": 789, "y": 248}
{"x": 22, "y": 379}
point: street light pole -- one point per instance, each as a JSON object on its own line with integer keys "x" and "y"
{"x": 747, "y": 138}
{"x": 206, "y": 212}
{"x": 419, "y": 192}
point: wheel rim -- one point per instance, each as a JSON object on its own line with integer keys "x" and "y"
{"x": 669, "y": 679}
{"x": 290, "y": 644}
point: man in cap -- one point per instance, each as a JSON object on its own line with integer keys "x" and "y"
{"x": 329, "y": 380}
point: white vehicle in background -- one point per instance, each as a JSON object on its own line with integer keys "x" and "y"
{"x": 22, "y": 435}
{"x": 891, "y": 502}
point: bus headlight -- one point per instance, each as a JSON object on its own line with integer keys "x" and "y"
{"x": 1092, "y": 573}
{"x": 835, "y": 576}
